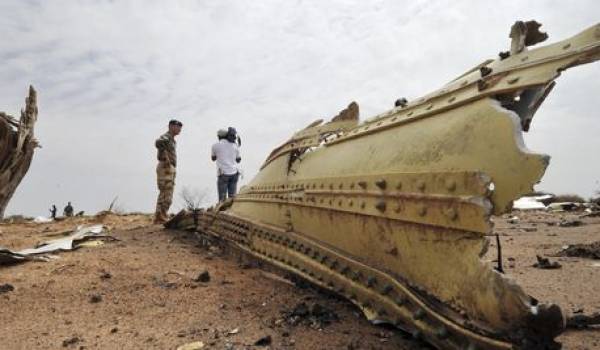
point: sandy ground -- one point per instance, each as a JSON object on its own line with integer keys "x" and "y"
{"x": 148, "y": 298}
{"x": 575, "y": 286}
{"x": 140, "y": 292}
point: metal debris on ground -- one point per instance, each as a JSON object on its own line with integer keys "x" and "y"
{"x": 591, "y": 250}
{"x": 42, "y": 220}
{"x": 513, "y": 220}
{"x": 570, "y": 223}
{"x": 264, "y": 341}
{"x": 583, "y": 321}
{"x": 203, "y": 276}
{"x": 71, "y": 242}
{"x": 546, "y": 264}
{"x": 5, "y": 288}
{"x": 82, "y": 237}
{"x": 590, "y": 214}
{"x": 8, "y": 257}
{"x": 71, "y": 341}
{"x": 566, "y": 206}
{"x": 345, "y": 205}
{"x": 531, "y": 202}
{"x": 315, "y": 316}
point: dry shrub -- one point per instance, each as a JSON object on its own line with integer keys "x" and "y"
{"x": 17, "y": 219}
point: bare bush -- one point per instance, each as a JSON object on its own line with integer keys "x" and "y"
{"x": 193, "y": 198}
{"x": 17, "y": 219}
{"x": 596, "y": 198}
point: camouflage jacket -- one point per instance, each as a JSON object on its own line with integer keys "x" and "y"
{"x": 166, "y": 147}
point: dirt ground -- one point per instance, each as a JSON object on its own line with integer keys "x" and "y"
{"x": 575, "y": 287}
{"x": 141, "y": 291}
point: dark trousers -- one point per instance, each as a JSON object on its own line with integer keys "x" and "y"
{"x": 227, "y": 186}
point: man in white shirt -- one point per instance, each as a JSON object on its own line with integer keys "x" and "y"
{"x": 227, "y": 154}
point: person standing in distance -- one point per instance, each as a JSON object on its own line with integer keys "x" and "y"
{"x": 226, "y": 154}
{"x": 165, "y": 170}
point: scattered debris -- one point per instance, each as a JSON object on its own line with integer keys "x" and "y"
{"x": 264, "y": 341}
{"x": 80, "y": 236}
{"x": 590, "y": 214}
{"x": 513, "y": 220}
{"x": 105, "y": 275}
{"x": 511, "y": 262}
{"x": 71, "y": 341}
{"x": 164, "y": 282}
{"x": 95, "y": 298}
{"x": 197, "y": 345}
{"x": 316, "y": 316}
{"x": 566, "y": 206}
{"x": 531, "y": 203}
{"x": 203, "y": 276}
{"x": 583, "y": 321}
{"x": 591, "y": 250}
{"x": 233, "y": 331}
{"x": 42, "y": 220}
{"x": 8, "y": 257}
{"x": 544, "y": 263}
{"x": 5, "y": 288}
{"x": 570, "y": 223}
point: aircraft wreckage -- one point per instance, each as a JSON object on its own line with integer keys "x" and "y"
{"x": 393, "y": 213}
{"x": 17, "y": 144}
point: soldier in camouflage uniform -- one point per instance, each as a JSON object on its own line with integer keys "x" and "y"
{"x": 165, "y": 170}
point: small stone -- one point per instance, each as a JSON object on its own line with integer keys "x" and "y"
{"x": 203, "y": 276}
{"x": 5, "y": 288}
{"x": 264, "y": 341}
{"x": 71, "y": 341}
{"x": 95, "y": 298}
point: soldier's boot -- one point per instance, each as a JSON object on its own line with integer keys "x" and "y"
{"x": 160, "y": 216}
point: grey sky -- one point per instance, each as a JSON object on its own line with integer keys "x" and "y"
{"x": 110, "y": 74}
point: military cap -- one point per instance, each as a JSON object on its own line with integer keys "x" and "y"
{"x": 175, "y": 122}
{"x": 222, "y": 133}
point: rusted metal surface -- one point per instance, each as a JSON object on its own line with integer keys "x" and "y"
{"x": 17, "y": 143}
{"x": 393, "y": 213}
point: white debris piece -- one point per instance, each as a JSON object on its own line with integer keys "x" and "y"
{"x": 42, "y": 220}
{"x": 531, "y": 203}
{"x": 67, "y": 243}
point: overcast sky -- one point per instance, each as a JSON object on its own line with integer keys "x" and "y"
{"x": 110, "y": 74}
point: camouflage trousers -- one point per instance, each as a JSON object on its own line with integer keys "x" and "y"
{"x": 165, "y": 176}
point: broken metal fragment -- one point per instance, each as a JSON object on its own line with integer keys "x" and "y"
{"x": 401, "y": 102}
{"x": 525, "y": 34}
{"x": 546, "y": 264}
{"x": 17, "y": 143}
{"x": 583, "y": 321}
{"x": 402, "y": 202}
{"x": 80, "y": 238}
